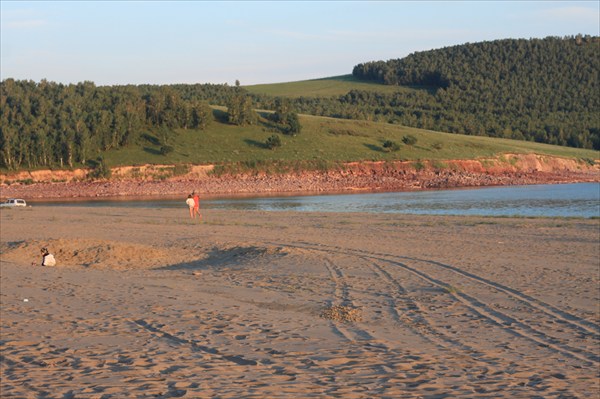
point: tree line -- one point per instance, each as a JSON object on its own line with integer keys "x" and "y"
{"x": 52, "y": 124}
{"x": 49, "y": 124}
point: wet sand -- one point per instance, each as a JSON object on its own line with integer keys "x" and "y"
{"x": 149, "y": 304}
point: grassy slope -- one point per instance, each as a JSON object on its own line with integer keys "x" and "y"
{"x": 326, "y": 139}
{"x": 326, "y": 87}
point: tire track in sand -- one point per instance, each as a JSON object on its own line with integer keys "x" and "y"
{"x": 564, "y": 317}
{"x": 160, "y": 333}
{"x": 575, "y": 322}
{"x": 342, "y": 294}
{"x": 411, "y": 320}
{"x": 414, "y": 321}
{"x": 501, "y": 319}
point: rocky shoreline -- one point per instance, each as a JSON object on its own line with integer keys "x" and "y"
{"x": 368, "y": 176}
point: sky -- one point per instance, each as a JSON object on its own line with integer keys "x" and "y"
{"x": 254, "y": 42}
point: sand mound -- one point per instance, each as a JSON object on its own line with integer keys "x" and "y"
{"x": 93, "y": 253}
{"x": 104, "y": 254}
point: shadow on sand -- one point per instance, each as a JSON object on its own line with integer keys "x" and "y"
{"x": 238, "y": 257}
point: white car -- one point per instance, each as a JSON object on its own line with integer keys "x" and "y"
{"x": 12, "y": 202}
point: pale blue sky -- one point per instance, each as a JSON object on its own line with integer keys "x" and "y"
{"x": 162, "y": 42}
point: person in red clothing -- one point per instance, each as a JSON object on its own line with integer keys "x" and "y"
{"x": 197, "y": 205}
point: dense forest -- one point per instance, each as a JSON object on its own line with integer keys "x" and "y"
{"x": 51, "y": 124}
{"x": 545, "y": 90}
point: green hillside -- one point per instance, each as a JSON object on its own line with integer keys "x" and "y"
{"x": 533, "y": 92}
{"x": 544, "y": 90}
{"x": 323, "y": 141}
{"x": 326, "y": 87}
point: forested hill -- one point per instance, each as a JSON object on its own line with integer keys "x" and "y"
{"x": 542, "y": 89}
{"x": 548, "y": 63}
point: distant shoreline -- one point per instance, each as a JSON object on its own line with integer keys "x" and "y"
{"x": 361, "y": 178}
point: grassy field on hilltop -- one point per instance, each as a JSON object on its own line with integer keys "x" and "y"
{"x": 326, "y": 87}
{"x": 322, "y": 141}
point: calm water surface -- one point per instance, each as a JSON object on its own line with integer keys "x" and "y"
{"x": 557, "y": 200}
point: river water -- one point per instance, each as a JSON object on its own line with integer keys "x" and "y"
{"x": 552, "y": 200}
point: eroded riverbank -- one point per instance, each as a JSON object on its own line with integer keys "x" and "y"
{"x": 366, "y": 176}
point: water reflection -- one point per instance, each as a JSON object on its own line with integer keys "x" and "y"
{"x": 569, "y": 200}
{"x": 562, "y": 200}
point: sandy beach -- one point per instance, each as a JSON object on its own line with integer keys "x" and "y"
{"x": 146, "y": 303}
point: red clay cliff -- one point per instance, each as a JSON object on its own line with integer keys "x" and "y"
{"x": 159, "y": 180}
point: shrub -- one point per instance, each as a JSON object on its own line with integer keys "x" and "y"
{"x": 321, "y": 165}
{"x": 438, "y": 146}
{"x": 293, "y": 124}
{"x": 419, "y": 165}
{"x": 346, "y": 132}
{"x": 99, "y": 169}
{"x": 165, "y": 149}
{"x": 181, "y": 169}
{"x": 285, "y": 117}
{"x": 409, "y": 140}
{"x": 273, "y": 142}
{"x": 439, "y": 165}
{"x": 589, "y": 161}
{"x": 390, "y": 145}
{"x": 217, "y": 170}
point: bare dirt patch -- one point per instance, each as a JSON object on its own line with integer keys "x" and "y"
{"x": 342, "y": 313}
